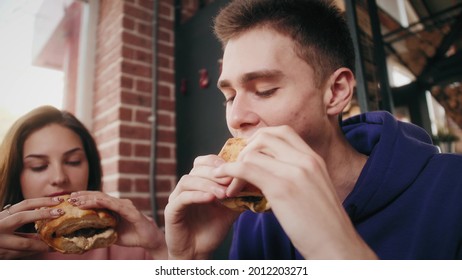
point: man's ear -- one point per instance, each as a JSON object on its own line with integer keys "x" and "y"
{"x": 340, "y": 91}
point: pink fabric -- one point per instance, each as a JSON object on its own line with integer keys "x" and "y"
{"x": 111, "y": 253}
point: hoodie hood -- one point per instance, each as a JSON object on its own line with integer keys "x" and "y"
{"x": 397, "y": 152}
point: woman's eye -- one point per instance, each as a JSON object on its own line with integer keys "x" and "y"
{"x": 74, "y": 162}
{"x": 38, "y": 168}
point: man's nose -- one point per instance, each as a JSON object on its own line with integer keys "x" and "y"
{"x": 242, "y": 113}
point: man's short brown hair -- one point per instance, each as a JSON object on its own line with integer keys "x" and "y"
{"x": 318, "y": 28}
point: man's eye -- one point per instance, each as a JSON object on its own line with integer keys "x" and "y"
{"x": 266, "y": 93}
{"x": 228, "y": 100}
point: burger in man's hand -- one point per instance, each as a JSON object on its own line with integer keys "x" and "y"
{"x": 250, "y": 197}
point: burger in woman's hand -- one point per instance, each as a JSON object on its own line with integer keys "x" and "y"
{"x": 78, "y": 230}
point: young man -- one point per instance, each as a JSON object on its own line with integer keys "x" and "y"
{"x": 370, "y": 188}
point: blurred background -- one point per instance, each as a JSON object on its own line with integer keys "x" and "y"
{"x": 24, "y": 85}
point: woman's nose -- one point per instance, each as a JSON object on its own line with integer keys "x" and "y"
{"x": 59, "y": 176}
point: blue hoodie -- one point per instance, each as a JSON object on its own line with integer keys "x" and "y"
{"x": 406, "y": 204}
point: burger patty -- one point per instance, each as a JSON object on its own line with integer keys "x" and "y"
{"x": 251, "y": 198}
{"x": 84, "y": 232}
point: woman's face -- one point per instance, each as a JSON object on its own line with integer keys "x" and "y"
{"x": 54, "y": 163}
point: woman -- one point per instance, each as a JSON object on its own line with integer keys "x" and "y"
{"x": 47, "y": 153}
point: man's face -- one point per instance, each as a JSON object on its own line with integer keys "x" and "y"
{"x": 265, "y": 83}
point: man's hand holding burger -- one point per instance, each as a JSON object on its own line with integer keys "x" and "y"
{"x": 295, "y": 181}
{"x": 199, "y": 213}
{"x": 196, "y": 222}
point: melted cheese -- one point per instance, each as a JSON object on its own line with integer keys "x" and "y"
{"x": 87, "y": 242}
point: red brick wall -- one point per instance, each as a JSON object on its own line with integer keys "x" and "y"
{"x": 166, "y": 128}
{"x": 123, "y": 99}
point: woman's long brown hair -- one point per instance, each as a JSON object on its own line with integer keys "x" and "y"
{"x": 11, "y": 150}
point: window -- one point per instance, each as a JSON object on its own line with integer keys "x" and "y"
{"x": 23, "y": 85}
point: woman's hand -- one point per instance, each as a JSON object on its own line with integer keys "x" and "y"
{"x": 134, "y": 228}
{"x": 14, "y": 245}
{"x": 195, "y": 222}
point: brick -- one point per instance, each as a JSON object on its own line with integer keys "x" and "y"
{"x": 106, "y": 135}
{"x": 125, "y": 149}
{"x": 144, "y": 86}
{"x": 132, "y": 132}
{"x": 125, "y": 114}
{"x": 109, "y": 9}
{"x": 110, "y": 186}
{"x": 165, "y": 120}
{"x": 142, "y": 150}
{"x": 165, "y": 23}
{"x": 110, "y": 168}
{"x": 165, "y": 168}
{"x": 147, "y": 4}
{"x": 164, "y": 49}
{"x": 164, "y": 91}
{"x": 166, "y": 136}
{"x": 108, "y": 79}
{"x": 165, "y": 36}
{"x": 109, "y": 150}
{"x": 164, "y": 185}
{"x": 168, "y": 105}
{"x": 103, "y": 105}
{"x": 165, "y": 62}
{"x": 166, "y": 11}
{"x": 143, "y": 116}
{"x": 108, "y": 117}
{"x": 130, "y": 98}
{"x": 124, "y": 185}
{"x": 136, "y": 69}
{"x": 166, "y": 76}
{"x": 143, "y": 56}
{"x": 108, "y": 91}
{"x": 137, "y": 55}
{"x": 128, "y": 23}
{"x": 167, "y": 2}
{"x": 136, "y": 40}
{"x": 138, "y": 13}
{"x": 126, "y": 82}
{"x": 142, "y": 185}
{"x": 144, "y": 29}
{"x": 164, "y": 152}
{"x": 128, "y": 52}
{"x": 133, "y": 167}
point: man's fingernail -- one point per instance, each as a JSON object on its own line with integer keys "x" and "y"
{"x": 218, "y": 162}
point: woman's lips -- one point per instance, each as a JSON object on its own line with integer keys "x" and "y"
{"x": 58, "y": 194}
